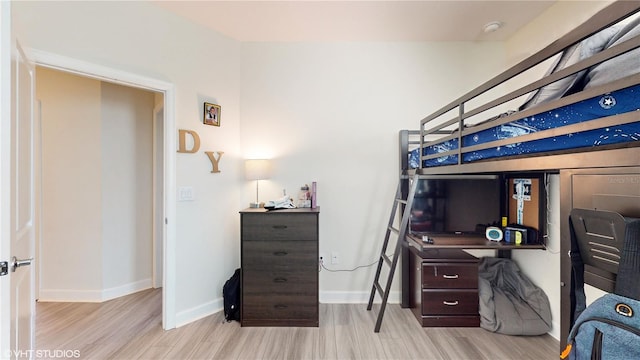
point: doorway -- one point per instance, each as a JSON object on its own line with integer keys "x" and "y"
{"x": 165, "y": 186}
{"x": 97, "y": 144}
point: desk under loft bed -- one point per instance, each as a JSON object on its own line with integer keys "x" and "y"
{"x": 581, "y": 120}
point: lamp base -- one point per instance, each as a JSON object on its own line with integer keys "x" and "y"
{"x": 254, "y": 205}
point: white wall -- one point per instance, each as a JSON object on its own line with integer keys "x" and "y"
{"x": 141, "y": 38}
{"x": 331, "y": 112}
{"x": 127, "y": 206}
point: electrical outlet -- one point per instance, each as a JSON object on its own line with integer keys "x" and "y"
{"x": 335, "y": 258}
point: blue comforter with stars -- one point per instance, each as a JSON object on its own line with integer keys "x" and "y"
{"x": 617, "y": 102}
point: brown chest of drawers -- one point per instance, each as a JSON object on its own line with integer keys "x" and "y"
{"x": 279, "y": 267}
{"x": 444, "y": 288}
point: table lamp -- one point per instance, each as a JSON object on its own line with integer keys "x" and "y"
{"x": 257, "y": 169}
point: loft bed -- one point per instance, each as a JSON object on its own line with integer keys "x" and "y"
{"x": 588, "y": 101}
{"x": 581, "y": 120}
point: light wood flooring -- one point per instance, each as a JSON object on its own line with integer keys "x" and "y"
{"x": 130, "y": 328}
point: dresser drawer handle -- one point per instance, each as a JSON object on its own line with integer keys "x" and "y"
{"x": 280, "y": 253}
{"x": 450, "y": 303}
{"x": 280, "y": 306}
{"x": 450, "y": 276}
{"x": 280, "y": 280}
{"x": 279, "y": 227}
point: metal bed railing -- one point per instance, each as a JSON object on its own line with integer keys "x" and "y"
{"x": 435, "y": 125}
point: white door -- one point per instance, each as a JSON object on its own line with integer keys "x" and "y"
{"x": 22, "y": 205}
{"x": 17, "y": 312}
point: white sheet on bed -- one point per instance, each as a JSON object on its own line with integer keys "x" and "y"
{"x": 618, "y": 67}
{"x": 570, "y": 56}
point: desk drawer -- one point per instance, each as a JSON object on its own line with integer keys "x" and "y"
{"x": 450, "y": 276}
{"x": 450, "y": 302}
{"x": 281, "y": 226}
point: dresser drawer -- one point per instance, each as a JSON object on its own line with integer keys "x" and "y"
{"x": 279, "y": 307}
{"x": 269, "y": 283}
{"x": 450, "y": 302}
{"x": 280, "y": 255}
{"x": 450, "y": 276}
{"x": 279, "y": 226}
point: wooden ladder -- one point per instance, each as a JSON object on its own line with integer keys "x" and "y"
{"x": 403, "y": 206}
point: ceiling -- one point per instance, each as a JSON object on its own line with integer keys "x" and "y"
{"x": 355, "y": 20}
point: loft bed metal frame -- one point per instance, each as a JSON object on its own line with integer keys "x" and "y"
{"x": 434, "y": 124}
{"x": 621, "y": 158}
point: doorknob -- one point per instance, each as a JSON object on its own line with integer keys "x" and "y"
{"x": 15, "y": 263}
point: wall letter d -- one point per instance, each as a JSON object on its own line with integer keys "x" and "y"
{"x": 182, "y": 141}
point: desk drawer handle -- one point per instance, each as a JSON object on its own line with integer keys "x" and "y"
{"x": 450, "y": 303}
{"x": 280, "y": 307}
{"x": 280, "y": 253}
{"x": 279, "y": 227}
{"x": 280, "y": 280}
{"x": 450, "y": 276}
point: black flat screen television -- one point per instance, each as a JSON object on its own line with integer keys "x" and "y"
{"x": 457, "y": 204}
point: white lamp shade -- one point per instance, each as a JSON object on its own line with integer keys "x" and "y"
{"x": 257, "y": 169}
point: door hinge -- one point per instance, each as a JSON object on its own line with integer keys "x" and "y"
{"x": 4, "y": 268}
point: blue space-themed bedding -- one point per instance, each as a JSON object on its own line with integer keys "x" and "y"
{"x": 617, "y": 102}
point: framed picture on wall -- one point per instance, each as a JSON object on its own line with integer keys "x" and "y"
{"x": 212, "y": 114}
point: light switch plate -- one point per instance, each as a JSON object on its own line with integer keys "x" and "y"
{"x": 185, "y": 193}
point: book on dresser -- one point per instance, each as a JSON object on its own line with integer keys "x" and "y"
{"x": 279, "y": 261}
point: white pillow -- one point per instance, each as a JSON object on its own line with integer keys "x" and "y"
{"x": 618, "y": 67}
{"x": 570, "y": 56}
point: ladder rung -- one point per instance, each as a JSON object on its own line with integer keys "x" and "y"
{"x": 386, "y": 259}
{"x": 402, "y": 201}
{"x": 379, "y": 288}
{"x": 394, "y": 230}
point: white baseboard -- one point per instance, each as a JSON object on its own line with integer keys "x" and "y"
{"x": 196, "y": 313}
{"x": 72, "y": 295}
{"x": 118, "y": 291}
